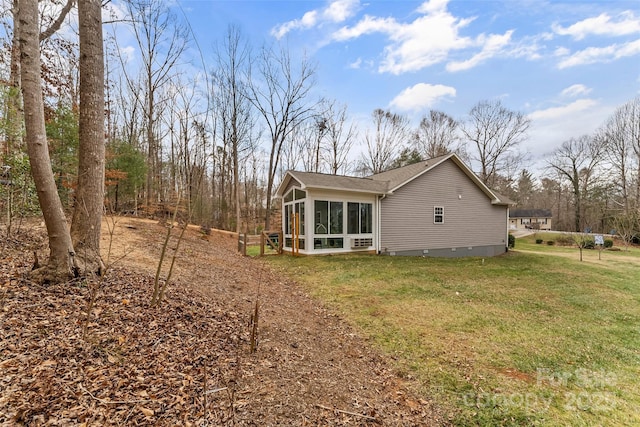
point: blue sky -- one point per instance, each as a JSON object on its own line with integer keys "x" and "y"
{"x": 566, "y": 64}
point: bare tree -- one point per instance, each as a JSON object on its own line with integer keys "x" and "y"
{"x": 162, "y": 42}
{"x": 621, "y": 137}
{"x": 576, "y": 160}
{"x": 495, "y": 133}
{"x": 340, "y": 137}
{"x": 13, "y": 110}
{"x": 389, "y": 132}
{"x": 14, "y": 117}
{"x": 235, "y": 118}
{"x": 281, "y": 98}
{"x": 627, "y": 225}
{"x": 87, "y": 214}
{"x": 300, "y": 148}
{"x": 437, "y": 135}
{"x": 322, "y": 143}
{"x": 60, "y": 264}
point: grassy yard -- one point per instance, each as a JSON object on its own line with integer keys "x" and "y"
{"x": 522, "y": 339}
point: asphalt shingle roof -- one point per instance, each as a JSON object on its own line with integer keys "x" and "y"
{"x": 530, "y": 213}
{"x": 384, "y": 182}
{"x": 398, "y": 176}
{"x": 339, "y": 182}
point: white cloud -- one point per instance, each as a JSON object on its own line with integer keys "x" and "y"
{"x": 309, "y": 19}
{"x": 491, "y": 46}
{"x": 427, "y": 40}
{"x": 610, "y": 53}
{"x": 561, "y": 113}
{"x": 339, "y": 11}
{"x": 356, "y": 64}
{"x": 528, "y": 47}
{"x": 335, "y": 12}
{"x": 552, "y": 126}
{"x": 433, "y": 6}
{"x": 575, "y": 90}
{"x": 368, "y": 25}
{"x": 128, "y": 53}
{"x": 420, "y": 96}
{"x": 627, "y": 23}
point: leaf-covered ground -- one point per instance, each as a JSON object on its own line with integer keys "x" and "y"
{"x": 187, "y": 362}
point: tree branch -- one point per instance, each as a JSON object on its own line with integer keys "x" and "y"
{"x": 55, "y": 26}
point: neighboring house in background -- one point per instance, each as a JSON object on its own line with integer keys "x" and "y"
{"x": 436, "y": 207}
{"x": 530, "y": 219}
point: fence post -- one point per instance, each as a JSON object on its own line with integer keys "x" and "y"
{"x": 242, "y": 243}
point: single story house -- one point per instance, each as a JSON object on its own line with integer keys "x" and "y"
{"x": 530, "y": 219}
{"x": 436, "y": 207}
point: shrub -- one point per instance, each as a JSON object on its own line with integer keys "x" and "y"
{"x": 564, "y": 240}
{"x": 550, "y": 242}
{"x": 608, "y": 243}
{"x": 512, "y": 241}
{"x": 539, "y": 241}
{"x": 587, "y": 243}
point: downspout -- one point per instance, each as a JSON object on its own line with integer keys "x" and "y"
{"x": 379, "y": 222}
{"x": 507, "y": 231}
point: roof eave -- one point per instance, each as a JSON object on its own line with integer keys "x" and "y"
{"x": 320, "y": 187}
{"x": 495, "y": 200}
{"x": 502, "y": 203}
{"x": 283, "y": 184}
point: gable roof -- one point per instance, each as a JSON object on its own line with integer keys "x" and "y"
{"x": 398, "y": 177}
{"x": 530, "y": 213}
{"x": 385, "y": 182}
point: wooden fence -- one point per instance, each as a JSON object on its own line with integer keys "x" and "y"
{"x": 271, "y": 239}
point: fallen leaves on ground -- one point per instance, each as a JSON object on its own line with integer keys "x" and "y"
{"x": 186, "y": 362}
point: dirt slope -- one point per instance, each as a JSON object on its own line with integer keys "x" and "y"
{"x": 187, "y": 363}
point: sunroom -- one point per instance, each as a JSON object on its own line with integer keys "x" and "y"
{"x": 317, "y": 219}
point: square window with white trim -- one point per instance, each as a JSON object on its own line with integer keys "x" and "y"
{"x": 438, "y": 214}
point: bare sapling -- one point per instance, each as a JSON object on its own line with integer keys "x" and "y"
{"x": 173, "y": 262}
{"x": 253, "y": 322}
{"x": 94, "y": 282}
{"x": 93, "y": 286}
{"x": 163, "y": 288}
{"x": 254, "y": 327}
{"x": 155, "y": 298}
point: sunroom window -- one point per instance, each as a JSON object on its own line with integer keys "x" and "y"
{"x": 359, "y": 218}
{"x": 328, "y": 217}
{"x": 321, "y": 225}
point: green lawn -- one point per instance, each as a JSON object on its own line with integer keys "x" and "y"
{"x": 520, "y": 339}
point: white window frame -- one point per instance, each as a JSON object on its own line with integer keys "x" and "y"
{"x": 438, "y": 211}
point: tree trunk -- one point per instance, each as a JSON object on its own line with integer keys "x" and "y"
{"x": 89, "y": 204}
{"x": 61, "y": 263}
{"x": 236, "y": 185}
{"x": 14, "y": 113}
{"x": 151, "y": 149}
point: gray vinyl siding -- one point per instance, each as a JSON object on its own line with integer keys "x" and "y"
{"x": 292, "y": 183}
{"x": 470, "y": 220}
